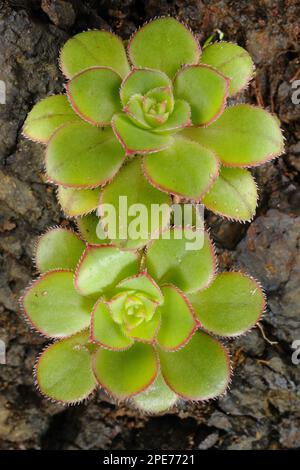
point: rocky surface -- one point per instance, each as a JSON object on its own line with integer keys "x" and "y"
{"x": 261, "y": 411}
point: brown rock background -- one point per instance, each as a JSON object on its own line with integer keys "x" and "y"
{"x": 262, "y": 409}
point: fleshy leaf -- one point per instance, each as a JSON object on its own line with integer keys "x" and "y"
{"x": 54, "y": 307}
{"x": 47, "y": 116}
{"x": 231, "y": 60}
{"x": 186, "y": 168}
{"x": 231, "y": 305}
{"x": 140, "y": 81}
{"x": 142, "y": 283}
{"x": 157, "y": 398}
{"x": 204, "y": 89}
{"x": 163, "y": 44}
{"x": 199, "y": 371}
{"x": 146, "y": 331}
{"x": 102, "y": 267}
{"x": 94, "y": 95}
{"x": 90, "y": 228}
{"x": 126, "y": 373}
{"x": 64, "y": 370}
{"x": 92, "y": 48}
{"x": 187, "y": 262}
{"x": 134, "y": 228}
{"x": 78, "y": 201}
{"x": 105, "y": 331}
{"x": 233, "y": 194}
{"x": 80, "y": 155}
{"x": 243, "y": 136}
{"x": 180, "y": 117}
{"x": 137, "y": 140}
{"x": 178, "y": 322}
{"x": 58, "y": 248}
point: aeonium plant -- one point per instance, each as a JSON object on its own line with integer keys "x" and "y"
{"x": 145, "y": 328}
{"x": 162, "y": 104}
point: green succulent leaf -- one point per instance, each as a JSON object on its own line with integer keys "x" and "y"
{"x": 231, "y": 305}
{"x": 47, "y": 116}
{"x": 178, "y": 322}
{"x": 243, "y": 136}
{"x": 92, "y": 48}
{"x": 126, "y": 373}
{"x": 174, "y": 261}
{"x": 80, "y": 155}
{"x": 146, "y": 331}
{"x": 102, "y": 267}
{"x": 233, "y": 194}
{"x": 157, "y": 398}
{"x": 91, "y": 230}
{"x": 105, "y": 331}
{"x": 180, "y": 117}
{"x": 142, "y": 282}
{"x": 140, "y": 81}
{"x": 54, "y": 307}
{"x": 137, "y": 140}
{"x": 134, "y": 228}
{"x": 232, "y": 61}
{"x": 163, "y": 44}
{"x": 205, "y": 89}
{"x": 186, "y": 168}
{"x": 58, "y": 248}
{"x": 76, "y": 202}
{"x": 64, "y": 370}
{"x": 94, "y": 95}
{"x": 199, "y": 371}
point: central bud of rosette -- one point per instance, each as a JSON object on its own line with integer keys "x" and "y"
{"x": 131, "y": 309}
{"x": 153, "y": 108}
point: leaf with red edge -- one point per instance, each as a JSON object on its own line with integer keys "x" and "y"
{"x": 64, "y": 370}
{"x": 186, "y": 168}
{"x": 93, "y": 48}
{"x": 205, "y": 89}
{"x": 137, "y": 140}
{"x": 163, "y": 44}
{"x": 94, "y": 95}
{"x": 179, "y": 118}
{"x": 233, "y": 194}
{"x": 91, "y": 230}
{"x": 186, "y": 260}
{"x": 156, "y": 398}
{"x": 140, "y": 81}
{"x": 142, "y": 282}
{"x": 199, "y": 371}
{"x": 102, "y": 267}
{"x": 83, "y": 156}
{"x": 47, "y": 116}
{"x": 76, "y": 202}
{"x": 231, "y": 305}
{"x": 231, "y": 60}
{"x": 178, "y": 322}
{"x": 54, "y": 307}
{"x": 105, "y": 331}
{"x": 126, "y": 373}
{"x": 243, "y": 136}
{"x": 134, "y": 223}
{"x": 58, "y": 248}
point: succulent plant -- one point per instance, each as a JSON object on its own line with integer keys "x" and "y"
{"x": 144, "y": 327}
{"x": 152, "y": 123}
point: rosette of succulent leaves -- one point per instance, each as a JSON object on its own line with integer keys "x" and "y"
{"x": 151, "y": 122}
{"x": 145, "y": 328}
